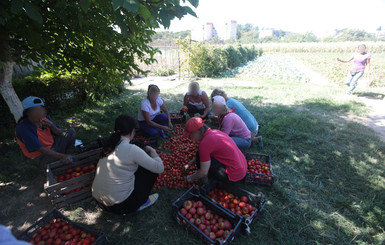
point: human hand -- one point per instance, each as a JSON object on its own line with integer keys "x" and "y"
{"x": 165, "y": 128}
{"x": 67, "y": 159}
{"x": 47, "y": 123}
{"x": 170, "y": 125}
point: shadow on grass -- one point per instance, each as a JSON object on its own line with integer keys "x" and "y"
{"x": 329, "y": 189}
{"x": 371, "y": 95}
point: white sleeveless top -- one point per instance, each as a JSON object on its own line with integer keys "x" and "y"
{"x": 199, "y": 105}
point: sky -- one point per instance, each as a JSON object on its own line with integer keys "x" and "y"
{"x": 318, "y": 16}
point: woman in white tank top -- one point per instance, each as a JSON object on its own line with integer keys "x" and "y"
{"x": 197, "y": 101}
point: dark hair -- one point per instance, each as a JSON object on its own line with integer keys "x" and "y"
{"x": 124, "y": 125}
{"x": 152, "y": 87}
{"x": 203, "y": 129}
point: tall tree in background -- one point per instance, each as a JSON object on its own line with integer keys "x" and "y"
{"x": 97, "y": 39}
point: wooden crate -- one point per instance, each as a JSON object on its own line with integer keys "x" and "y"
{"x": 63, "y": 193}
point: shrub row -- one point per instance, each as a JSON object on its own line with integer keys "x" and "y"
{"x": 205, "y": 60}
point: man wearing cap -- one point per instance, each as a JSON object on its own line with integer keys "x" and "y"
{"x": 218, "y": 157}
{"x": 39, "y": 137}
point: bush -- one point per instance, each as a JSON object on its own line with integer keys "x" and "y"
{"x": 205, "y": 60}
{"x": 58, "y": 91}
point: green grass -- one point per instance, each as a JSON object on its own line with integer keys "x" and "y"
{"x": 330, "y": 170}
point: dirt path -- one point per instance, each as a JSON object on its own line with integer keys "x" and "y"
{"x": 376, "y": 117}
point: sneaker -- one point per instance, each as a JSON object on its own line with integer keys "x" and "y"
{"x": 258, "y": 140}
{"x": 150, "y": 201}
{"x": 163, "y": 134}
{"x": 260, "y": 143}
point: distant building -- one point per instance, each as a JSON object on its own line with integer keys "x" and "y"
{"x": 208, "y": 31}
{"x": 269, "y": 33}
{"x": 228, "y": 31}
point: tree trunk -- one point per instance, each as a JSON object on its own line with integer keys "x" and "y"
{"x": 7, "y": 91}
{"x": 6, "y": 70}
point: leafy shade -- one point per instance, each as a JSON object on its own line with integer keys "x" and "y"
{"x": 98, "y": 40}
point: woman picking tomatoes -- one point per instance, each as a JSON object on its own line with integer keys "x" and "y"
{"x": 231, "y": 124}
{"x": 242, "y": 112}
{"x": 218, "y": 157}
{"x": 196, "y": 101}
{"x": 149, "y": 116}
{"x": 125, "y": 173}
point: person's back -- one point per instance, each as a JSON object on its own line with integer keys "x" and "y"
{"x": 243, "y": 113}
{"x": 223, "y": 148}
{"x": 115, "y": 176}
{"x": 234, "y": 126}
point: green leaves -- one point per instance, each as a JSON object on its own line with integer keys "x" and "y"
{"x": 144, "y": 12}
{"x": 85, "y": 4}
{"x": 194, "y": 3}
{"x": 33, "y": 12}
{"x": 190, "y": 11}
{"x": 131, "y": 5}
{"x": 16, "y": 6}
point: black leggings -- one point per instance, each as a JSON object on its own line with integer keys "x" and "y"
{"x": 144, "y": 182}
{"x": 192, "y": 110}
{"x": 217, "y": 170}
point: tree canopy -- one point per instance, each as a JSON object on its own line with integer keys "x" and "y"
{"x": 99, "y": 40}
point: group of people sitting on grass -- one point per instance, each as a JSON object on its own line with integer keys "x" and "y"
{"x": 125, "y": 173}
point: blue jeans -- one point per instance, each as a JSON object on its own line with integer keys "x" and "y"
{"x": 242, "y": 143}
{"x": 152, "y": 131}
{"x": 352, "y": 79}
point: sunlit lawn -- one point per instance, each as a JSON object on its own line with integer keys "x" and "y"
{"x": 330, "y": 171}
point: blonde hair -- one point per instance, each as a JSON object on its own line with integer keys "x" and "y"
{"x": 193, "y": 85}
{"x": 219, "y": 92}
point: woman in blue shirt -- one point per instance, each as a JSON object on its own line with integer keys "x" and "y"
{"x": 242, "y": 112}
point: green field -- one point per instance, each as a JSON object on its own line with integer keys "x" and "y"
{"x": 330, "y": 170}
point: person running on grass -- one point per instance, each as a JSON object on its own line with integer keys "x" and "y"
{"x": 242, "y": 112}
{"x": 196, "y": 101}
{"x": 40, "y": 138}
{"x": 150, "y": 119}
{"x": 126, "y": 174}
{"x": 361, "y": 60}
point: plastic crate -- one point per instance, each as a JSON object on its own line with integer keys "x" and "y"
{"x": 90, "y": 145}
{"x": 258, "y": 202}
{"x": 29, "y": 232}
{"x": 259, "y": 179}
{"x": 142, "y": 139}
{"x": 178, "y": 117}
{"x": 59, "y": 192}
{"x": 194, "y": 195}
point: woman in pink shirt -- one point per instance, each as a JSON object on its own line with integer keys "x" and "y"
{"x": 360, "y": 60}
{"x": 231, "y": 124}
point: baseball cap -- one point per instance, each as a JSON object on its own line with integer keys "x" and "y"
{"x": 31, "y": 102}
{"x": 219, "y": 100}
{"x": 193, "y": 124}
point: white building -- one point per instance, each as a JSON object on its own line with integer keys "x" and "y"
{"x": 208, "y": 31}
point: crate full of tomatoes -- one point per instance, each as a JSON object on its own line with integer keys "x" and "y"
{"x": 259, "y": 170}
{"x": 178, "y": 117}
{"x": 55, "y": 228}
{"x": 142, "y": 140}
{"x": 70, "y": 183}
{"x": 202, "y": 217}
{"x": 235, "y": 200}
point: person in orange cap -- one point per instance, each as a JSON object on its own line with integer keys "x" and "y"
{"x": 218, "y": 157}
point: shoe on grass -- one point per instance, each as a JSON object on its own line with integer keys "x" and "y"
{"x": 150, "y": 201}
{"x": 260, "y": 143}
